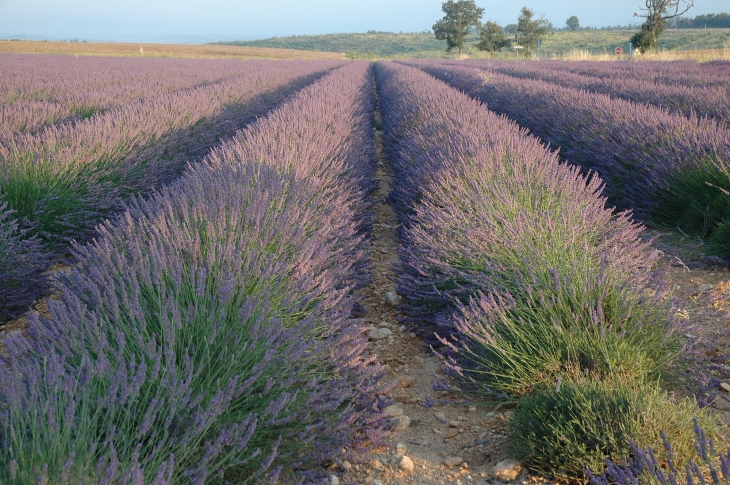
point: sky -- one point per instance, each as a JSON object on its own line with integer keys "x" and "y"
{"x": 212, "y": 20}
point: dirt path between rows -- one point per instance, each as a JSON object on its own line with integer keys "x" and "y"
{"x": 447, "y": 438}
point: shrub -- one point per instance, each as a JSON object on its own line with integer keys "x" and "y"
{"x": 645, "y": 465}
{"x": 511, "y": 345}
{"x": 562, "y": 432}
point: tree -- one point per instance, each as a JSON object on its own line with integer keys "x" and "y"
{"x": 530, "y": 31}
{"x": 461, "y": 16}
{"x": 656, "y": 13}
{"x": 492, "y": 37}
{"x": 573, "y": 23}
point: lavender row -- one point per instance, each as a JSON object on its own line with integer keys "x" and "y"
{"x": 344, "y": 164}
{"x": 38, "y": 78}
{"x": 205, "y": 336}
{"x": 687, "y": 99}
{"x": 63, "y": 182}
{"x": 669, "y": 169}
{"x": 41, "y": 90}
{"x": 486, "y": 208}
{"x": 676, "y": 73}
{"x": 527, "y": 278}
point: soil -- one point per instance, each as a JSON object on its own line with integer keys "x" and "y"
{"x": 700, "y": 287}
{"x": 40, "y": 307}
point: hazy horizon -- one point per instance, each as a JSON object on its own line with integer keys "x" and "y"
{"x": 174, "y": 21}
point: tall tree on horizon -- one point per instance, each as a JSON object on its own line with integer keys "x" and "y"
{"x": 460, "y": 16}
{"x": 573, "y": 23}
{"x": 656, "y": 13}
{"x": 492, "y": 37}
{"x": 530, "y": 31}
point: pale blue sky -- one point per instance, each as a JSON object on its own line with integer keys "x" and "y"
{"x": 197, "y": 20}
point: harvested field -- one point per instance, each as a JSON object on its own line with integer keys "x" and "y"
{"x": 159, "y": 50}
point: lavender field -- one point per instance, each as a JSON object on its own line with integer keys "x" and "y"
{"x": 200, "y": 233}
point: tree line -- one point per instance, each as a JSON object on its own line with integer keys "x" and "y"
{"x": 710, "y": 21}
{"x": 462, "y": 16}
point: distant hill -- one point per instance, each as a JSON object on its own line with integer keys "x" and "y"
{"x": 376, "y": 44}
{"x": 424, "y": 45}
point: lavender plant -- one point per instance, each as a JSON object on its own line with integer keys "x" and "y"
{"x": 210, "y": 332}
{"x": 513, "y": 345}
{"x": 649, "y": 158}
{"x": 22, "y": 267}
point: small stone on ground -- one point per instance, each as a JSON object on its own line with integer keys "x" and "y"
{"x": 453, "y": 461}
{"x": 507, "y": 470}
{"x": 407, "y": 465}
{"x": 393, "y": 298}
{"x": 379, "y": 333}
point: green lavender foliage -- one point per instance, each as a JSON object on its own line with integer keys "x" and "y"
{"x": 563, "y": 431}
